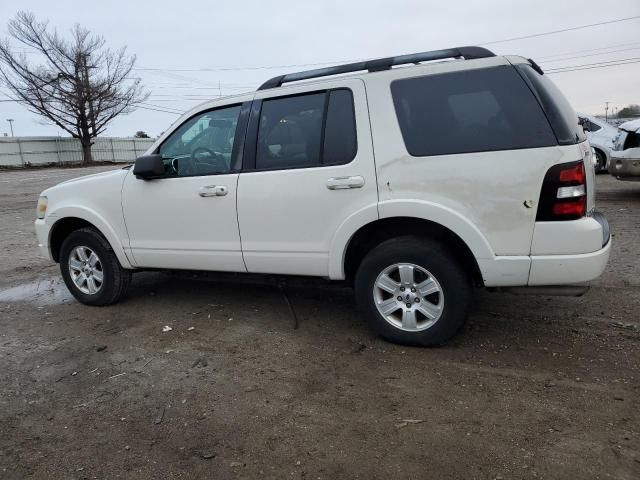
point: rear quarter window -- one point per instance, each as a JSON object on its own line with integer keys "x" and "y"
{"x": 557, "y": 108}
{"x": 469, "y": 111}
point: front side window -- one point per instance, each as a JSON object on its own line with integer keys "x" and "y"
{"x": 469, "y": 111}
{"x": 202, "y": 145}
{"x": 306, "y": 130}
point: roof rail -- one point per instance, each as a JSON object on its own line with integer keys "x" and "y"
{"x": 378, "y": 64}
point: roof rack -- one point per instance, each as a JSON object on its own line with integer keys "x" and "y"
{"x": 378, "y": 64}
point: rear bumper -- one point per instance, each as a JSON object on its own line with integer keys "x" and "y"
{"x": 557, "y": 258}
{"x": 625, "y": 165}
{"x": 568, "y": 269}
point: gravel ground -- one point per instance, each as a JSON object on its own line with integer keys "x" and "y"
{"x": 535, "y": 387}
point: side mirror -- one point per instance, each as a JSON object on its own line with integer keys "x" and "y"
{"x": 148, "y": 167}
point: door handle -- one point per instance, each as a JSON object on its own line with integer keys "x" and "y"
{"x": 213, "y": 191}
{"x": 341, "y": 183}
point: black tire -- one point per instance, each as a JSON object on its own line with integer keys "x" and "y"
{"x": 431, "y": 256}
{"x": 601, "y": 161}
{"x": 116, "y": 279}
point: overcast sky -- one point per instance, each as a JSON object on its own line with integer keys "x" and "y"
{"x": 234, "y": 36}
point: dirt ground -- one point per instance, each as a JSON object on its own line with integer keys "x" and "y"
{"x": 535, "y": 387}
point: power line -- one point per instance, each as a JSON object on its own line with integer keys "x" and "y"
{"x": 159, "y": 110}
{"x": 161, "y": 107}
{"x": 632, "y": 60}
{"x": 553, "y": 32}
{"x": 588, "y": 50}
{"x": 269, "y": 67}
{"x": 577, "y": 68}
{"x": 590, "y": 55}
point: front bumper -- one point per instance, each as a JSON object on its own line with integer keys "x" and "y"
{"x": 42, "y": 233}
{"x": 625, "y": 164}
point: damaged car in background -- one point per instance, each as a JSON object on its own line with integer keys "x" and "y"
{"x": 625, "y": 159}
{"x": 602, "y": 137}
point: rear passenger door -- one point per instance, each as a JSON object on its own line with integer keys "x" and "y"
{"x": 308, "y": 166}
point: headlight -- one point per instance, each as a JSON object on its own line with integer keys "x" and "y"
{"x": 41, "y": 209}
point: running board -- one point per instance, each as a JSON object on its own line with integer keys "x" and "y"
{"x": 575, "y": 290}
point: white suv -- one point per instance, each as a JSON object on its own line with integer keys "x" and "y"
{"x": 414, "y": 183}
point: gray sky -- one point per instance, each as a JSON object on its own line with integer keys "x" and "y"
{"x": 196, "y": 34}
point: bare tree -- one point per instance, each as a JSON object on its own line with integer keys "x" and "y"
{"x": 78, "y": 84}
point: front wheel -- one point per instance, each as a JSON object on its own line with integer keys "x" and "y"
{"x": 91, "y": 270}
{"x": 413, "y": 291}
{"x": 601, "y": 162}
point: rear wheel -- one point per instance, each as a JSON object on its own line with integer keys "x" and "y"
{"x": 413, "y": 291}
{"x": 91, "y": 270}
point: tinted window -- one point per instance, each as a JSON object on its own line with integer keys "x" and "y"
{"x": 469, "y": 111}
{"x": 561, "y": 115}
{"x": 290, "y": 132}
{"x": 306, "y": 131}
{"x": 340, "y": 129}
{"x": 202, "y": 145}
{"x": 593, "y": 127}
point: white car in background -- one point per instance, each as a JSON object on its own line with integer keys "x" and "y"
{"x": 625, "y": 159}
{"x": 602, "y": 137}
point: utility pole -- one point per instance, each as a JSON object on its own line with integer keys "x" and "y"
{"x": 606, "y": 111}
{"x": 10, "y": 120}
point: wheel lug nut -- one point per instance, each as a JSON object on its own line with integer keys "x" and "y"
{"x": 417, "y": 300}
{"x": 408, "y": 305}
{"x": 413, "y": 289}
{"x": 402, "y": 289}
{"x": 399, "y": 298}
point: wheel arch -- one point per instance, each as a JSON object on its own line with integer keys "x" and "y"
{"x": 602, "y": 149}
{"x": 374, "y": 233}
{"x": 77, "y": 219}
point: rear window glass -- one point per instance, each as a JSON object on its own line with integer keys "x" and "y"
{"x": 290, "y": 132}
{"x": 557, "y": 108}
{"x": 469, "y": 111}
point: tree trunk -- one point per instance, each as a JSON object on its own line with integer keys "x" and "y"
{"x": 86, "y": 153}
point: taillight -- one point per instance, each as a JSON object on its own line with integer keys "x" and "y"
{"x": 564, "y": 193}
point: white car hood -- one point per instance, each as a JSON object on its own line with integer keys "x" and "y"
{"x": 631, "y": 126}
{"x": 88, "y": 182}
{"x": 92, "y": 176}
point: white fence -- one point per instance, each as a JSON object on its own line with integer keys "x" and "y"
{"x": 38, "y": 151}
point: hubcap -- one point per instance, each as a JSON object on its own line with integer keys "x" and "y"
{"x": 86, "y": 270}
{"x": 408, "y": 296}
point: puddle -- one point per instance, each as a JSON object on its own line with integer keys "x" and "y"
{"x": 44, "y": 291}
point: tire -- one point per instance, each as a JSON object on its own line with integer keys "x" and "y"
{"x": 115, "y": 279}
{"x": 601, "y": 162}
{"x": 433, "y": 268}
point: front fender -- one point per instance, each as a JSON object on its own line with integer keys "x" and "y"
{"x": 95, "y": 219}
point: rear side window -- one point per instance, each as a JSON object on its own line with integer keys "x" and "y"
{"x": 470, "y": 111}
{"x": 561, "y": 115}
{"x": 306, "y": 131}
